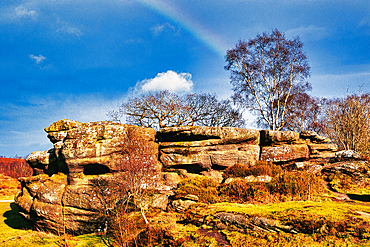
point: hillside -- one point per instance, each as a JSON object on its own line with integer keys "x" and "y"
{"x": 14, "y": 167}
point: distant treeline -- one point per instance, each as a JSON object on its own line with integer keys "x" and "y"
{"x": 15, "y": 167}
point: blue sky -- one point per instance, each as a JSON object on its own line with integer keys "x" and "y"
{"x": 77, "y": 59}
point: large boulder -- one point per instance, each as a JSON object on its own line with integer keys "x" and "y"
{"x": 273, "y": 137}
{"x": 58, "y": 131}
{"x": 217, "y": 135}
{"x": 205, "y": 148}
{"x": 285, "y": 153}
{"x": 66, "y": 189}
{"x": 322, "y": 153}
{"x": 288, "y": 147}
{"x": 105, "y": 146}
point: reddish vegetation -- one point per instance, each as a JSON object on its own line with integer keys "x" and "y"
{"x": 15, "y": 168}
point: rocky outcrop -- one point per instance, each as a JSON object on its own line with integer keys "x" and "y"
{"x": 254, "y": 223}
{"x": 349, "y": 163}
{"x": 64, "y": 191}
{"x": 200, "y": 149}
{"x": 204, "y": 148}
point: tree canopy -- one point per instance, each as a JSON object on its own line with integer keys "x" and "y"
{"x": 165, "y": 109}
{"x": 265, "y": 72}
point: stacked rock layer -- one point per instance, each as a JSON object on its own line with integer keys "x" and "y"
{"x": 62, "y": 194}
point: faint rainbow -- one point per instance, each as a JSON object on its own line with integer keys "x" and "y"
{"x": 200, "y": 33}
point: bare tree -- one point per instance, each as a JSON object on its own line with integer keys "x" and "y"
{"x": 126, "y": 196}
{"x": 165, "y": 109}
{"x": 304, "y": 113}
{"x": 347, "y": 122}
{"x": 159, "y": 109}
{"x": 265, "y": 72}
{"x": 207, "y": 110}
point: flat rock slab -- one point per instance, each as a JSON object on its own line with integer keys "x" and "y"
{"x": 219, "y": 135}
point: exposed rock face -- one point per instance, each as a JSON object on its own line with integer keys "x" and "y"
{"x": 213, "y": 148}
{"x": 63, "y": 192}
{"x": 254, "y": 223}
{"x": 204, "y": 148}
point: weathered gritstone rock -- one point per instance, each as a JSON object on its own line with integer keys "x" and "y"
{"x": 254, "y": 223}
{"x": 288, "y": 147}
{"x": 346, "y": 155}
{"x": 322, "y": 153}
{"x": 285, "y": 153}
{"x": 43, "y": 162}
{"x": 67, "y": 191}
{"x": 206, "y": 148}
{"x": 58, "y": 130}
{"x": 358, "y": 170}
{"x": 106, "y": 145}
{"x": 273, "y": 137}
{"x": 313, "y": 137}
{"x": 219, "y": 135}
{"x": 201, "y": 149}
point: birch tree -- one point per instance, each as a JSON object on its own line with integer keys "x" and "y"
{"x": 265, "y": 72}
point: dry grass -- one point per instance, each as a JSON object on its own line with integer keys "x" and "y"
{"x": 16, "y": 232}
{"x": 9, "y": 187}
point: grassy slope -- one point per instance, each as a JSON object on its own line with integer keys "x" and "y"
{"x": 283, "y": 212}
{"x": 13, "y": 228}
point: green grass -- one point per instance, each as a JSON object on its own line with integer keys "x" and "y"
{"x": 306, "y": 215}
{"x": 337, "y": 210}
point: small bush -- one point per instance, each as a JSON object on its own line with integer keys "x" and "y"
{"x": 340, "y": 182}
{"x": 236, "y": 171}
{"x": 299, "y": 185}
{"x": 260, "y": 168}
{"x": 156, "y": 236}
{"x": 241, "y": 191}
{"x": 203, "y": 187}
{"x": 285, "y": 186}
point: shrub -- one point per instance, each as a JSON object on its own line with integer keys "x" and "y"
{"x": 237, "y": 170}
{"x": 260, "y": 168}
{"x": 9, "y": 187}
{"x": 298, "y": 185}
{"x": 286, "y": 185}
{"x": 241, "y": 191}
{"x": 344, "y": 183}
{"x": 203, "y": 187}
{"x": 156, "y": 236}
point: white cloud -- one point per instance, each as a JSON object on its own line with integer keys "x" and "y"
{"x": 170, "y": 80}
{"x": 14, "y": 13}
{"x": 134, "y": 41}
{"x": 157, "y": 29}
{"x": 22, "y": 11}
{"x": 38, "y": 58}
{"x": 311, "y": 32}
{"x": 70, "y": 30}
